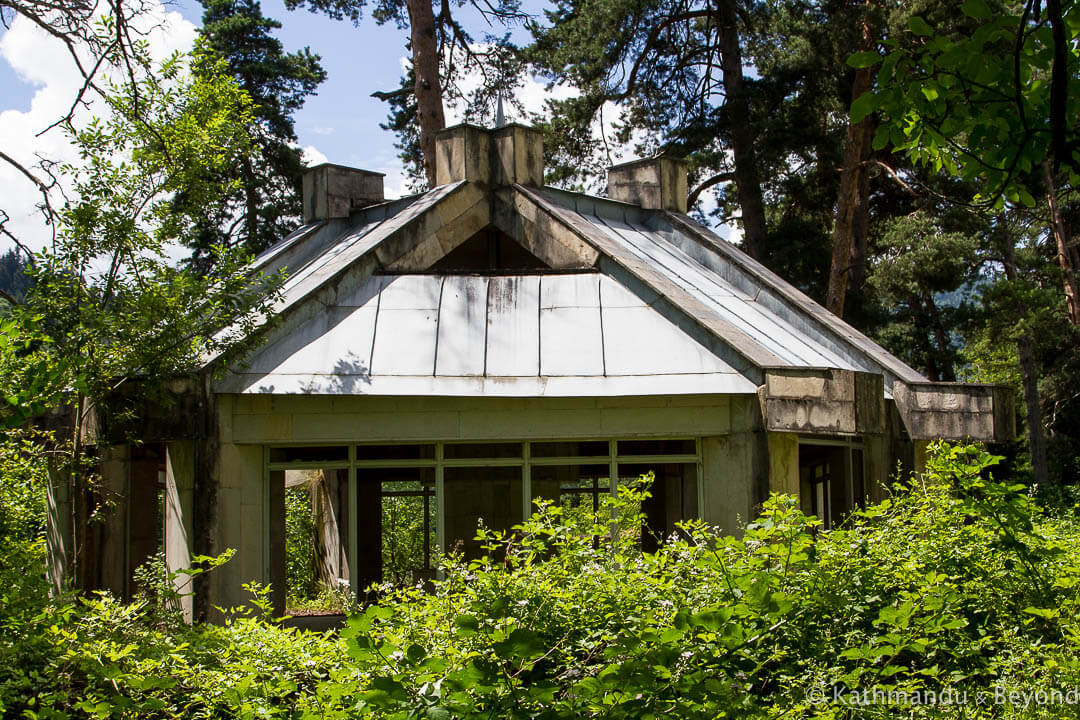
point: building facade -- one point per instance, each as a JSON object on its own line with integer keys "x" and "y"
{"x": 459, "y": 353}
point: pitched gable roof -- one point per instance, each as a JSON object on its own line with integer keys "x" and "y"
{"x": 724, "y": 322}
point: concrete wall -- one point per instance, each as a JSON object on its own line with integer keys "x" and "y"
{"x": 246, "y": 423}
{"x": 730, "y": 467}
{"x": 783, "y": 463}
{"x": 267, "y": 419}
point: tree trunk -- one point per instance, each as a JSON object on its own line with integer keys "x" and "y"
{"x": 851, "y": 201}
{"x": 1068, "y": 256}
{"x": 1029, "y": 378}
{"x": 251, "y": 210}
{"x": 860, "y": 225}
{"x": 938, "y": 348}
{"x": 427, "y": 87}
{"x": 747, "y": 182}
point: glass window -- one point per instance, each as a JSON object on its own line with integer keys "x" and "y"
{"x": 673, "y": 498}
{"x": 309, "y": 528}
{"x": 395, "y": 452}
{"x": 572, "y": 486}
{"x": 396, "y": 513}
{"x": 335, "y": 453}
{"x": 589, "y": 448}
{"x": 657, "y": 447}
{"x": 481, "y": 451}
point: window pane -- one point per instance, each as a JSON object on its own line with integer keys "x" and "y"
{"x": 858, "y": 484}
{"x": 590, "y": 448}
{"x": 335, "y": 453}
{"x": 572, "y": 486}
{"x": 673, "y": 497}
{"x": 316, "y": 540}
{"x": 395, "y": 452}
{"x": 492, "y": 494}
{"x": 479, "y": 451}
{"x": 396, "y": 524}
{"x": 657, "y": 447}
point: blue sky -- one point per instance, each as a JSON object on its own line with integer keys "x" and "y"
{"x": 342, "y": 120}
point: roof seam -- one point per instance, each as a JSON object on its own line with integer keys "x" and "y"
{"x": 603, "y": 340}
{"x": 374, "y": 333}
{"x": 438, "y": 317}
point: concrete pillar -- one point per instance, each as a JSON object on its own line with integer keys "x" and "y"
{"x": 462, "y": 152}
{"x": 518, "y": 156}
{"x": 877, "y": 464}
{"x": 783, "y": 463}
{"x": 654, "y": 183}
{"x": 241, "y": 509}
{"x": 59, "y": 531}
{"x": 728, "y": 464}
{"x": 920, "y": 447}
{"x": 111, "y": 519}
{"x": 334, "y": 191}
{"x": 179, "y": 490}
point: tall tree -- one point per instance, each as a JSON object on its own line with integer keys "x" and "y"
{"x": 108, "y": 309}
{"x": 442, "y": 51}
{"x": 676, "y": 66}
{"x": 14, "y": 279}
{"x": 998, "y": 105}
{"x": 265, "y": 204}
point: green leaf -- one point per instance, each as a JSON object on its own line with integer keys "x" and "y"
{"x": 467, "y": 625}
{"x": 865, "y": 59}
{"x": 1044, "y": 613}
{"x": 863, "y": 106}
{"x": 522, "y": 643}
{"x": 977, "y": 9}
{"x": 919, "y": 26}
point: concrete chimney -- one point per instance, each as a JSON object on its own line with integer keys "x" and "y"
{"x": 510, "y": 154}
{"x": 333, "y": 191}
{"x": 657, "y": 183}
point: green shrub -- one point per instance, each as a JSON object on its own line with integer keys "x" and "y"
{"x": 957, "y": 582}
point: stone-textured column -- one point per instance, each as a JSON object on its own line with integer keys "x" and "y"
{"x": 59, "y": 533}
{"x": 784, "y": 463}
{"x": 179, "y": 490}
{"x": 110, "y": 523}
{"x": 730, "y": 466}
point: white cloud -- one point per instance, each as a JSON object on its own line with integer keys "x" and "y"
{"x": 323, "y": 130}
{"x": 41, "y": 60}
{"x": 310, "y": 155}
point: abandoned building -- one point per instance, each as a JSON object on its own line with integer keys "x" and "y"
{"x": 458, "y": 353}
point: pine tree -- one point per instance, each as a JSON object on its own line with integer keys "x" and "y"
{"x": 267, "y": 204}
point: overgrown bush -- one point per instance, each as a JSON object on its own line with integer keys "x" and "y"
{"x": 957, "y": 584}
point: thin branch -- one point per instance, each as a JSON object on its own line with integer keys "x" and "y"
{"x": 716, "y": 179}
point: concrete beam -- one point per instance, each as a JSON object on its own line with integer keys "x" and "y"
{"x": 820, "y": 401}
{"x": 956, "y": 411}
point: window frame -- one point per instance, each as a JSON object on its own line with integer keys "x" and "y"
{"x": 526, "y": 461}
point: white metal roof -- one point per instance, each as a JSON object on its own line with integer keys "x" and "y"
{"x": 580, "y": 334}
